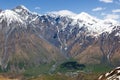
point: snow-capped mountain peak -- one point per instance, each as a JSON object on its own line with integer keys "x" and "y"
{"x": 10, "y": 16}
{"x": 82, "y": 14}
{"x": 21, "y": 8}
{"x": 23, "y": 12}
{"x": 86, "y": 17}
{"x": 93, "y": 25}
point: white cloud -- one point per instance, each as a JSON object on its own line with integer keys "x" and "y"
{"x": 112, "y": 16}
{"x": 116, "y": 11}
{"x": 98, "y": 9}
{"x": 106, "y": 1}
{"x": 37, "y": 8}
{"x": 63, "y": 13}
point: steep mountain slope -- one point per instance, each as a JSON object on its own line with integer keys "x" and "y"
{"x": 105, "y": 49}
{"x": 81, "y": 36}
{"x": 66, "y": 30}
{"x": 21, "y": 46}
{"x": 88, "y": 39}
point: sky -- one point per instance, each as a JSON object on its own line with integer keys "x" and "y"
{"x": 104, "y": 9}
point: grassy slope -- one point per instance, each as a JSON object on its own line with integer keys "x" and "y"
{"x": 35, "y": 71}
{"x": 53, "y": 77}
{"x": 91, "y": 72}
{"x": 81, "y": 76}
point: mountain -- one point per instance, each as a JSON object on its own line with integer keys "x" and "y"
{"x": 30, "y": 39}
{"x": 81, "y": 36}
{"x": 112, "y": 75}
{"x": 20, "y": 44}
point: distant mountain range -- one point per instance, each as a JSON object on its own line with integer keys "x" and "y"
{"x": 30, "y": 39}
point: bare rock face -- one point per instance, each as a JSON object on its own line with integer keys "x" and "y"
{"x": 112, "y": 75}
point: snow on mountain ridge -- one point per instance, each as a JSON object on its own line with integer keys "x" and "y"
{"x": 25, "y": 13}
{"x": 10, "y": 16}
{"x": 21, "y": 8}
{"x": 83, "y": 15}
{"x": 94, "y": 25}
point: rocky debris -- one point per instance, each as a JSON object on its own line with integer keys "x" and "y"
{"x": 112, "y": 75}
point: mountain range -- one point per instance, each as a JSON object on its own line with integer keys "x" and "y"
{"x": 31, "y": 39}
